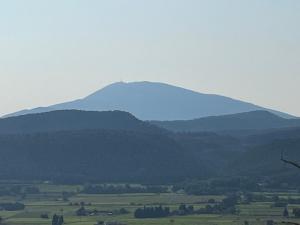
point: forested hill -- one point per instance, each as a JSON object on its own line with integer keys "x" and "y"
{"x": 262, "y": 160}
{"x": 91, "y": 146}
{"x": 96, "y": 155}
{"x": 114, "y": 146}
{"x": 255, "y": 120}
{"x": 133, "y": 156}
{"x": 73, "y": 120}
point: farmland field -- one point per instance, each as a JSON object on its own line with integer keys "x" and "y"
{"x": 49, "y": 201}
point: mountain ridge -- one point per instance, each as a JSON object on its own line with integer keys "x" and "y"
{"x": 155, "y": 101}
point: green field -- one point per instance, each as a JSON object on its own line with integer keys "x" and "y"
{"x": 49, "y": 201}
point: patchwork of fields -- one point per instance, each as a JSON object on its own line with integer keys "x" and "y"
{"x": 49, "y": 201}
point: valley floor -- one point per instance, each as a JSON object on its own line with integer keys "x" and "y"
{"x": 49, "y": 202}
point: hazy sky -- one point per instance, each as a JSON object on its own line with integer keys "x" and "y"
{"x": 57, "y": 50}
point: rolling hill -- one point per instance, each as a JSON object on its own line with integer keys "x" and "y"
{"x": 255, "y": 120}
{"x": 74, "y": 120}
{"x": 79, "y": 146}
{"x": 155, "y": 101}
{"x": 114, "y": 146}
{"x": 262, "y": 160}
{"x": 94, "y": 155}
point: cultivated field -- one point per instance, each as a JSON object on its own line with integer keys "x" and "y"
{"x": 49, "y": 201}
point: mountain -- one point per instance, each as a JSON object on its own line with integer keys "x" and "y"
{"x": 254, "y": 120}
{"x": 155, "y": 101}
{"x": 74, "y": 120}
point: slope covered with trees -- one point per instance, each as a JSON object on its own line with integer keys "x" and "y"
{"x": 78, "y": 146}
{"x": 255, "y": 120}
{"x": 73, "y": 120}
{"x": 99, "y": 155}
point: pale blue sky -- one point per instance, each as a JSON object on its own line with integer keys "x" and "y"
{"x": 57, "y": 50}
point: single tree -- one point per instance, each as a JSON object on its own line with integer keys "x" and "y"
{"x": 55, "y": 220}
{"x": 286, "y": 212}
{"x": 60, "y": 220}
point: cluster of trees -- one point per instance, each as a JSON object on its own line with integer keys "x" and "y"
{"x": 80, "y": 203}
{"x": 82, "y": 211}
{"x": 217, "y": 186}
{"x": 44, "y": 216}
{"x": 293, "y": 201}
{"x": 66, "y": 195}
{"x": 109, "y": 223}
{"x": 31, "y": 190}
{"x": 183, "y": 210}
{"x": 12, "y": 206}
{"x": 283, "y": 202}
{"x": 152, "y": 212}
{"x": 296, "y": 212}
{"x": 226, "y": 206}
{"x": 57, "y": 220}
{"x": 120, "y": 189}
{"x": 285, "y": 212}
{"x": 277, "y": 201}
{"x": 251, "y": 197}
{"x": 15, "y": 190}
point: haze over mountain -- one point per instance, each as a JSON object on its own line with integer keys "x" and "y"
{"x": 155, "y": 101}
{"x": 254, "y": 120}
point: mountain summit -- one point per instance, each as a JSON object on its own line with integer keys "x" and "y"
{"x": 155, "y": 101}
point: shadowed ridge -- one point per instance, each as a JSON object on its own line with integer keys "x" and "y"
{"x": 74, "y": 120}
{"x": 254, "y": 120}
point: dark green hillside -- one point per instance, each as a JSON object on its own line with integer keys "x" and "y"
{"x": 264, "y": 161}
{"x": 114, "y": 146}
{"x": 269, "y": 136}
{"x": 255, "y": 120}
{"x": 95, "y": 155}
{"x": 255, "y": 157}
{"x": 73, "y": 120}
{"x": 212, "y": 150}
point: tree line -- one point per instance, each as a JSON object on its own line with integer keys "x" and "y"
{"x": 12, "y": 206}
{"x": 121, "y": 189}
{"x": 226, "y": 206}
